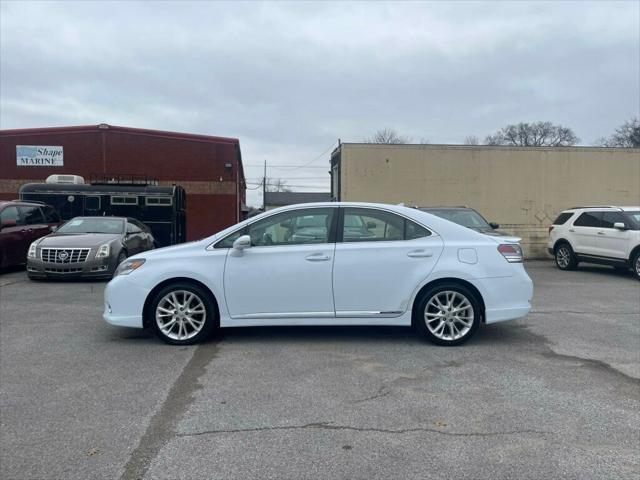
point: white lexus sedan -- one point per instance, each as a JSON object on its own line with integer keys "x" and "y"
{"x": 325, "y": 264}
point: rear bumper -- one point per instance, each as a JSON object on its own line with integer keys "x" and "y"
{"x": 507, "y": 298}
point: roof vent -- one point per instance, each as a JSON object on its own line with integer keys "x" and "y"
{"x": 67, "y": 179}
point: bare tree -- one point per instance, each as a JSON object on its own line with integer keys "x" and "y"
{"x": 472, "y": 140}
{"x": 277, "y": 185}
{"x": 388, "y": 135}
{"x": 626, "y": 135}
{"x": 538, "y": 134}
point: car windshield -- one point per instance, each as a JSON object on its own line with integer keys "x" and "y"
{"x": 93, "y": 225}
{"x": 634, "y": 216}
{"x": 466, "y": 218}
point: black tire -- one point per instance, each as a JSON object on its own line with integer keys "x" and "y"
{"x": 425, "y": 302}
{"x": 210, "y": 319}
{"x": 564, "y": 257}
{"x": 635, "y": 264}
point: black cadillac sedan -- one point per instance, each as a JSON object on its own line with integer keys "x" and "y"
{"x": 91, "y": 247}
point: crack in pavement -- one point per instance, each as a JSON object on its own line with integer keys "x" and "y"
{"x": 163, "y": 424}
{"x": 383, "y": 391}
{"x": 330, "y": 426}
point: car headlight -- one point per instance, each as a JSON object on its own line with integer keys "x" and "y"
{"x": 103, "y": 250}
{"x": 32, "y": 250}
{"x": 128, "y": 266}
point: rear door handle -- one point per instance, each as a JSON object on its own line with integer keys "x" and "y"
{"x": 601, "y": 233}
{"x": 317, "y": 257}
{"x": 571, "y": 230}
{"x": 420, "y": 254}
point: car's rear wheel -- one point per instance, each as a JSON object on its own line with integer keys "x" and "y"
{"x": 448, "y": 314}
{"x": 565, "y": 258}
{"x": 182, "y": 314}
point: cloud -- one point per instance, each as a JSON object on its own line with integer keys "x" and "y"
{"x": 290, "y": 78}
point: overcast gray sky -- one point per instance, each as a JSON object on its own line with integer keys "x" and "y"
{"x": 289, "y": 79}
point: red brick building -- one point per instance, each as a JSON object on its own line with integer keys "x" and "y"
{"x": 209, "y": 168}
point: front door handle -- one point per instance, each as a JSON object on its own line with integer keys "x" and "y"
{"x": 317, "y": 257}
{"x": 601, "y": 233}
{"x": 420, "y": 254}
{"x": 571, "y": 230}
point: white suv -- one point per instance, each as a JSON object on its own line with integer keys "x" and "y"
{"x": 604, "y": 235}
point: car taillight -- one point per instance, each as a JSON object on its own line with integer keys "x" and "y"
{"x": 511, "y": 252}
{"x": 550, "y": 228}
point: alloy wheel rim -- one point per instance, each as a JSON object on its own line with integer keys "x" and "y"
{"x": 638, "y": 265}
{"x": 563, "y": 257}
{"x": 449, "y": 315}
{"x": 180, "y": 315}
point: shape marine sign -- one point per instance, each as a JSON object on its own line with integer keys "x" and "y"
{"x": 39, "y": 156}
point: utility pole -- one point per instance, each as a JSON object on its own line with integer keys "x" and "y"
{"x": 264, "y": 188}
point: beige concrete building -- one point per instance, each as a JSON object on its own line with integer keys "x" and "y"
{"x": 523, "y": 189}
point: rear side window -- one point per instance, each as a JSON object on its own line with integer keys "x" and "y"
{"x": 368, "y": 225}
{"x": 10, "y": 215}
{"x": 413, "y": 231}
{"x": 588, "y": 219}
{"x": 562, "y": 218}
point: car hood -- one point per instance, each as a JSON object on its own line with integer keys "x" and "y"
{"x": 68, "y": 240}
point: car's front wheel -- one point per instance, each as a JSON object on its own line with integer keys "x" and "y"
{"x": 182, "y": 314}
{"x": 448, "y": 314}
{"x": 635, "y": 264}
{"x": 565, "y": 258}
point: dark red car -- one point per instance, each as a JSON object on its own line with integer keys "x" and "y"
{"x": 20, "y": 224}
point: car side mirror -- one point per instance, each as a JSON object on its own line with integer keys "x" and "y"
{"x": 8, "y": 223}
{"x": 620, "y": 226}
{"x": 53, "y": 228}
{"x": 242, "y": 242}
{"x": 371, "y": 225}
{"x": 494, "y": 225}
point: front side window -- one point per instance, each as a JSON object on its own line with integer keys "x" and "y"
{"x": 609, "y": 218}
{"x": 131, "y": 228}
{"x": 292, "y": 228}
{"x": 588, "y": 219}
{"x": 50, "y": 215}
{"x": 369, "y": 225}
{"x": 31, "y": 215}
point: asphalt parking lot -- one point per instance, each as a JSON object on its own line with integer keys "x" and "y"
{"x": 554, "y": 395}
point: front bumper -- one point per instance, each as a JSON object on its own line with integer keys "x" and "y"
{"x": 91, "y": 268}
{"x": 124, "y": 302}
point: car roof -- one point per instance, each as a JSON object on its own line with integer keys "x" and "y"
{"x": 100, "y": 217}
{"x": 612, "y": 208}
{"x": 445, "y": 208}
{"x": 4, "y": 203}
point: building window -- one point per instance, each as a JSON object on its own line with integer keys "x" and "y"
{"x": 128, "y": 200}
{"x": 158, "y": 201}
